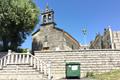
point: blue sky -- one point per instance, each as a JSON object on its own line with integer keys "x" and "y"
{"x": 74, "y": 15}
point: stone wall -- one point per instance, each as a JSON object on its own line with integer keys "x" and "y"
{"x": 91, "y": 61}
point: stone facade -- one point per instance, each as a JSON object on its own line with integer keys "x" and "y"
{"x": 116, "y": 39}
{"x": 96, "y": 61}
{"x": 49, "y": 37}
{"x": 109, "y": 40}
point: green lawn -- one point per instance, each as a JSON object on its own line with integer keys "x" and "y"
{"x": 113, "y": 75}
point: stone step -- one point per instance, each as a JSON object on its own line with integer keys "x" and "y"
{"x": 18, "y": 72}
{"x": 79, "y": 57}
{"x": 21, "y": 77}
{"x": 80, "y": 54}
{"x": 21, "y": 65}
{"x": 19, "y": 68}
{"x": 85, "y": 54}
{"x": 47, "y": 57}
{"x": 91, "y": 57}
{"x": 86, "y": 65}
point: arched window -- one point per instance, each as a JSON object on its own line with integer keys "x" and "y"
{"x": 49, "y": 17}
{"x": 44, "y": 19}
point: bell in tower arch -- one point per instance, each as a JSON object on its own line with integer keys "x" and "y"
{"x": 47, "y": 16}
{"x": 44, "y": 19}
{"x": 50, "y": 18}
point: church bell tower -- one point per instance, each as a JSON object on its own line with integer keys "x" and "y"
{"x": 47, "y": 16}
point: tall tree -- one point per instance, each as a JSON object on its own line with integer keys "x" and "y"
{"x": 17, "y": 20}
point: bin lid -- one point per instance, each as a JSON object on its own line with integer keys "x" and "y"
{"x": 73, "y": 63}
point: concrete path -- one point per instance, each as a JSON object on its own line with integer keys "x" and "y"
{"x": 79, "y": 79}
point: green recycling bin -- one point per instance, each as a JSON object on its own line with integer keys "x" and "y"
{"x": 72, "y": 70}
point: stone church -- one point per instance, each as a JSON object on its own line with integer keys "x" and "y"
{"x": 50, "y": 37}
{"x": 109, "y": 40}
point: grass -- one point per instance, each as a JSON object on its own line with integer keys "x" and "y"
{"x": 113, "y": 75}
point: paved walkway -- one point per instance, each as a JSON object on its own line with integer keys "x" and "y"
{"x": 86, "y": 79}
{"x": 79, "y": 79}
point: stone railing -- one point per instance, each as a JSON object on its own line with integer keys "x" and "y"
{"x": 26, "y": 58}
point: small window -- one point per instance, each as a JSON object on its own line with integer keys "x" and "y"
{"x": 110, "y": 46}
{"x": 116, "y": 34}
{"x": 72, "y": 47}
{"x": 45, "y": 48}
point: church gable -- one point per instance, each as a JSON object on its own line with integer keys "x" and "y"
{"x": 53, "y": 37}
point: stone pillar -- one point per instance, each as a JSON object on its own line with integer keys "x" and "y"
{"x": 47, "y": 18}
{"x": 45, "y": 68}
{"x": 16, "y": 58}
{"x": 38, "y": 65}
{"x": 27, "y": 58}
{"x": 1, "y": 65}
{"x": 9, "y": 53}
{"x": 111, "y": 37}
{"x": 12, "y": 58}
{"x": 20, "y": 58}
{"x": 34, "y": 63}
{"x": 52, "y": 17}
{"x": 4, "y": 63}
{"x": 28, "y": 51}
{"x": 23, "y": 58}
{"x": 31, "y": 61}
{"x": 41, "y": 66}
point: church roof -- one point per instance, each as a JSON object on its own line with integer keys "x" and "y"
{"x": 66, "y": 33}
{"x": 35, "y": 32}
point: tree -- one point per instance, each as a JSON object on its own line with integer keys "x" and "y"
{"x": 17, "y": 20}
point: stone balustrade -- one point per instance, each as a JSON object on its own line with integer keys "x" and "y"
{"x": 25, "y": 58}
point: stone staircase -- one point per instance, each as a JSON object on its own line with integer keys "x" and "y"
{"x": 20, "y": 72}
{"x": 17, "y": 66}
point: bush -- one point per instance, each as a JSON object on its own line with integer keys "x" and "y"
{"x": 21, "y": 50}
{"x": 89, "y": 74}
